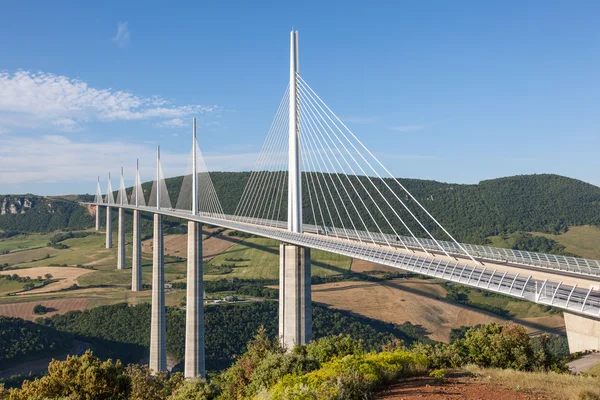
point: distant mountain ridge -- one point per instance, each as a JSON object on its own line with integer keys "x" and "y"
{"x": 543, "y": 202}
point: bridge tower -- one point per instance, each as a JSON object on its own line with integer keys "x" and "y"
{"x": 121, "y": 250}
{"x": 109, "y": 196}
{"x": 295, "y": 320}
{"x": 98, "y": 200}
{"x": 158, "y": 333}
{"x": 136, "y": 261}
{"x": 194, "y": 314}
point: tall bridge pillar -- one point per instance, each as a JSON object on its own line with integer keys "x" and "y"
{"x": 108, "y": 227}
{"x": 582, "y": 333}
{"x": 121, "y": 254}
{"x": 136, "y": 262}
{"x": 194, "y": 317}
{"x": 158, "y": 342}
{"x": 97, "y": 218}
{"x": 295, "y": 318}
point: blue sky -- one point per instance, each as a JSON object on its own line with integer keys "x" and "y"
{"x": 452, "y": 91}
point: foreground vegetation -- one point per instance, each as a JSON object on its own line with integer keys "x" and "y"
{"x": 122, "y": 331}
{"x": 335, "y": 367}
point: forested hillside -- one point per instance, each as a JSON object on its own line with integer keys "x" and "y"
{"x": 121, "y": 331}
{"x": 32, "y": 213}
{"x": 540, "y": 203}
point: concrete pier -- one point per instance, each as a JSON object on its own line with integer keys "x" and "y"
{"x": 158, "y": 342}
{"x": 121, "y": 250}
{"x": 295, "y": 318}
{"x": 136, "y": 262}
{"x": 194, "y": 317}
{"x": 108, "y": 228}
{"x": 97, "y": 218}
{"x": 582, "y": 333}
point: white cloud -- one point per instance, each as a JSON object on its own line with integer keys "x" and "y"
{"x": 31, "y": 100}
{"x": 53, "y": 159}
{"x": 410, "y": 128}
{"x": 123, "y": 35}
{"x": 172, "y": 123}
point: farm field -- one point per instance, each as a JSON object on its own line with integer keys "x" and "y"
{"x": 419, "y": 302}
{"x": 24, "y": 309}
{"x": 66, "y": 276}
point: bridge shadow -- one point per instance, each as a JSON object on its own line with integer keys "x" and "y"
{"x": 273, "y": 251}
{"x": 534, "y": 327}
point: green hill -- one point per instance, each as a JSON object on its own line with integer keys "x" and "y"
{"x": 534, "y": 203}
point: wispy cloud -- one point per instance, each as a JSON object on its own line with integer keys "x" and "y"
{"x": 359, "y": 120}
{"x": 56, "y": 158}
{"x": 172, "y": 123}
{"x": 31, "y": 100}
{"x": 410, "y": 128}
{"x": 123, "y": 35}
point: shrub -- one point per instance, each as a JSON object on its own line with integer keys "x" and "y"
{"x": 439, "y": 375}
{"x": 84, "y": 377}
{"x": 351, "y": 377}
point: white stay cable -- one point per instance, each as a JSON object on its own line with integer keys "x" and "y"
{"x": 309, "y": 173}
{"x": 389, "y": 173}
{"x": 319, "y": 118}
{"x": 258, "y": 172}
{"x": 251, "y": 186}
{"x": 367, "y": 191}
{"x": 262, "y": 152}
{"x": 311, "y": 135}
{"x": 264, "y": 182}
{"x": 322, "y": 168}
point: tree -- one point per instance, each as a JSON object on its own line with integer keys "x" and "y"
{"x": 85, "y": 378}
{"x": 40, "y": 309}
{"x": 48, "y": 276}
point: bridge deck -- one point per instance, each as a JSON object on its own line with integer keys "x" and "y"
{"x": 575, "y": 293}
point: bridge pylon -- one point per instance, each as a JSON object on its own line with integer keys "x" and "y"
{"x": 295, "y": 320}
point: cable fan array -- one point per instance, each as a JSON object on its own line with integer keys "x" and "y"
{"x": 347, "y": 193}
{"x": 207, "y": 199}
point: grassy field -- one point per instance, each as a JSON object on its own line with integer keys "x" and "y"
{"x": 7, "y": 286}
{"x": 24, "y": 242}
{"x": 582, "y": 240}
{"x": 261, "y": 260}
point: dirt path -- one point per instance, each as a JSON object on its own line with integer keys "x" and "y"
{"x": 455, "y": 387}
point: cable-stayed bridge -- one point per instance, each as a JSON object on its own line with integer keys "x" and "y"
{"x": 315, "y": 185}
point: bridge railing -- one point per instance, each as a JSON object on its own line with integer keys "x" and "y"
{"x": 527, "y": 258}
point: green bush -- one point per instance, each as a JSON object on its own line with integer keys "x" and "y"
{"x": 351, "y": 377}
{"x": 439, "y": 375}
